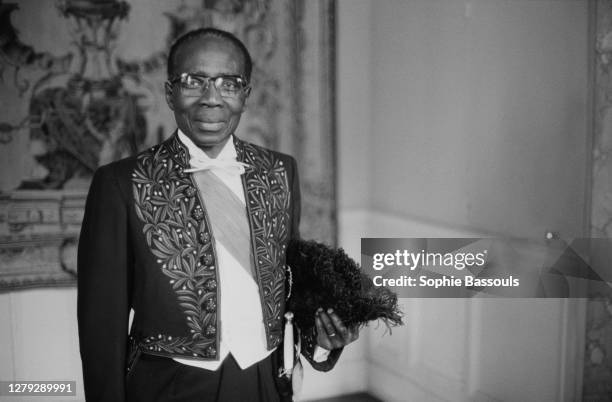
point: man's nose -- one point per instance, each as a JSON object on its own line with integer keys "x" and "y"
{"x": 210, "y": 95}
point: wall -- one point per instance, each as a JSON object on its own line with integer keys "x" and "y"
{"x": 38, "y": 338}
{"x": 473, "y": 101}
{"x": 476, "y": 123}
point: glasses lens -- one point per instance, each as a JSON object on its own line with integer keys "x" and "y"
{"x": 192, "y": 85}
{"x": 229, "y": 86}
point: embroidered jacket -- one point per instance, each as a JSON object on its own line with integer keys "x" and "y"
{"x": 146, "y": 244}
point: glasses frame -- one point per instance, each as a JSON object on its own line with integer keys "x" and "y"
{"x": 183, "y": 76}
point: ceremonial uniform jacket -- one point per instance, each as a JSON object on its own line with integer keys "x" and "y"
{"x": 146, "y": 243}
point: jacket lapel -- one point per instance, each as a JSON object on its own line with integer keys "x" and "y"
{"x": 267, "y": 199}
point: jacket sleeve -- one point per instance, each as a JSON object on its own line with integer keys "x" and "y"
{"x": 103, "y": 289}
{"x": 308, "y": 340}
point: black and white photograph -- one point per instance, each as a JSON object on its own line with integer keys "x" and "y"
{"x": 306, "y": 200}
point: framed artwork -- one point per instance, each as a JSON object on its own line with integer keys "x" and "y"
{"x": 82, "y": 85}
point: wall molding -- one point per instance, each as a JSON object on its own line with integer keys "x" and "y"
{"x": 409, "y": 379}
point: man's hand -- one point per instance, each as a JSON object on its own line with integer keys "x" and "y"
{"x": 331, "y": 331}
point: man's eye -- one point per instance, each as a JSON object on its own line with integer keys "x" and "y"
{"x": 230, "y": 84}
{"x": 192, "y": 82}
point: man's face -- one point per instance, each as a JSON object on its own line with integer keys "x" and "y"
{"x": 210, "y": 119}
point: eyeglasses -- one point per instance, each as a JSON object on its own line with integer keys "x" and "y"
{"x": 228, "y": 86}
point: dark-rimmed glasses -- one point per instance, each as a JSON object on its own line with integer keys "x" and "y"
{"x": 228, "y": 86}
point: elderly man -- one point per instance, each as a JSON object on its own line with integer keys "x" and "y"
{"x": 191, "y": 234}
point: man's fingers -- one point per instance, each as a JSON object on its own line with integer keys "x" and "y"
{"x": 319, "y": 325}
{"x": 323, "y": 339}
{"x": 330, "y": 328}
{"x": 340, "y": 327}
{"x": 331, "y": 331}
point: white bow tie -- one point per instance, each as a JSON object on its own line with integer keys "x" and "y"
{"x": 230, "y": 166}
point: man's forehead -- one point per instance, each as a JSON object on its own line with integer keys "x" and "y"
{"x": 210, "y": 51}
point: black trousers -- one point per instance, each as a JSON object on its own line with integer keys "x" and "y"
{"x": 161, "y": 379}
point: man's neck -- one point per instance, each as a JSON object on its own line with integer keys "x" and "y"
{"x": 214, "y": 150}
{"x": 211, "y": 151}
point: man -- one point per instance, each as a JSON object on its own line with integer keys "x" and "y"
{"x": 191, "y": 234}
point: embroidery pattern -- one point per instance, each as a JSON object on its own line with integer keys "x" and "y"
{"x": 178, "y": 235}
{"x": 177, "y": 231}
{"x": 268, "y": 203}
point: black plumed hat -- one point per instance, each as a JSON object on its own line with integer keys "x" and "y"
{"x": 326, "y": 277}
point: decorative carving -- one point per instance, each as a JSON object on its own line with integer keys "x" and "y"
{"x": 80, "y": 116}
{"x": 38, "y": 237}
{"x": 93, "y": 119}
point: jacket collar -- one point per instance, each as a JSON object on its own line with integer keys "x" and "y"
{"x": 180, "y": 152}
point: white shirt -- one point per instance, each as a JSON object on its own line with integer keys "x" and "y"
{"x": 240, "y": 318}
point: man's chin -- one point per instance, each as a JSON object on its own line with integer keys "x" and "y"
{"x": 210, "y": 139}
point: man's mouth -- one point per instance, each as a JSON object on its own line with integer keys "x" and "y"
{"x": 210, "y": 125}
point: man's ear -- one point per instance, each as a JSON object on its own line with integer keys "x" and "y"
{"x": 247, "y": 92}
{"x": 169, "y": 95}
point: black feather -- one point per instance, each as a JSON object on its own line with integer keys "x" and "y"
{"x": 326, "y": 277}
